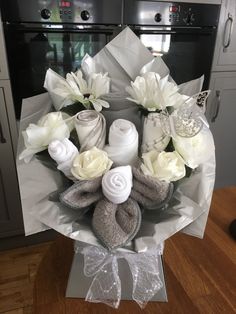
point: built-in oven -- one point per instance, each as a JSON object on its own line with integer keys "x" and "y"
{"x": 42, "y": 34}
{"x": 58, "y": 33}
{"x": 182, "y": 33}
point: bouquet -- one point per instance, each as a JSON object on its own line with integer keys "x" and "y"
{"x": 119, "y": 157}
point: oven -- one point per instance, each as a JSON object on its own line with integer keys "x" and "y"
{"x": 42, "y": 34}
{"x": 58, "y": 33}
{"x": 182, "y": 33}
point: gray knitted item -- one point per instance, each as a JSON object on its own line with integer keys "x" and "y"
{"x": 116, "y": 224}
{"x": 149, "y": 192}
{"x": 82, "y": 194}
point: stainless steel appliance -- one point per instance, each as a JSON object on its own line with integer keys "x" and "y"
{"x": 182, "y": 33}
{"x": 53, "y": 33}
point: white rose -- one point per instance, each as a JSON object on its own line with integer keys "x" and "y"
{"x": 90, "y": 164}
{"x": 38, "y": 136}
{"x": 166, "y": 166}
{"x": 195, "y": 150}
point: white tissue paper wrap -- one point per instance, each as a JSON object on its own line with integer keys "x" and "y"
{"x": 123, "y": 58}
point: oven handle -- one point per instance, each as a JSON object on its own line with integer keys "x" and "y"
{"x": 156, "y": 32}
{"x": 60, "y": 28}
{"x": 172, "y": 30}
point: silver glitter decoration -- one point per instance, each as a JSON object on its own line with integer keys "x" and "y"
{"x": 187, "y": 120}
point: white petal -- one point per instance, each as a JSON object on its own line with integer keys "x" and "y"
{"x": 34, "y": 135}
{"x": 81, "y": 82}
{"x": 99, "y": 84}
{"x": 71, "y": 82}
{"x": 28, "y": 153}
{"x": 99, "y": 103}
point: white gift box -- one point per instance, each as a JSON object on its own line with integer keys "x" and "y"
{"x": 78, "y": 284}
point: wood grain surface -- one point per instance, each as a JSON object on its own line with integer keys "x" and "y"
{"x": 18, "y": 269}
{"x": 200, "y": 274}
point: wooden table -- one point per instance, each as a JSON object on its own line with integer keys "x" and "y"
{"x": 200, "y": 274}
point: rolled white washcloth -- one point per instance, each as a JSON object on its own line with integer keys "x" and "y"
{"x": 91, "y": 129}
{"x": 153, "y": 134}
{"x": 123, "y": 143}
{"x": 63, "y": 152}
{"x": 117, "y": 184}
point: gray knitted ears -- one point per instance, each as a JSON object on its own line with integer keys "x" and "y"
{"x": 149, "y": 192}
{"x": 116, "y": 224}
{"x": 82, "y": 194}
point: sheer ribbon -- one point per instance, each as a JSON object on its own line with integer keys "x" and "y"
{"x": 106, "y": 285}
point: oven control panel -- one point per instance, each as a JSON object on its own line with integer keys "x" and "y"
{"x": 170, "y": 13}
{"x": 63, "y": 11}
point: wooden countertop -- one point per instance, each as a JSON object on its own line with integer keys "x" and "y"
{"x": 200, "y": 274}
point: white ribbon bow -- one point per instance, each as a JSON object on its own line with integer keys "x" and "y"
{"x": 106, "y": 285}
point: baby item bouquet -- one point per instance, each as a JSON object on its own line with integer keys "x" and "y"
{"x": 119, "y": 157}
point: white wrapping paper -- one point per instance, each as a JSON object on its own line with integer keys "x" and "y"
{"x": 123, "y": 58}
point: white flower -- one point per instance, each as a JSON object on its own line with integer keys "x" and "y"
{"x": 195, "y": 150}
{"x": 77, "y": 89}
{"x": 166, "y": 166}
{"x": 153, "y": 93}
{"x": 90, "y": 164}
{"x": 38, "y": 136}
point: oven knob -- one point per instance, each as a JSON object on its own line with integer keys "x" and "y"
{"x": 85, "y": 15}
{"x": 158, "y": 17}
{"x": 46, "y": 14}
{"x": 189, "y": 19}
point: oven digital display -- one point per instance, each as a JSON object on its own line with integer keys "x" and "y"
{"x": 174, "y": 8}
{"x": 65, "y": 4}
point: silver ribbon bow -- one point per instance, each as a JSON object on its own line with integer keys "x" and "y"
{"x": 106, "y": 284}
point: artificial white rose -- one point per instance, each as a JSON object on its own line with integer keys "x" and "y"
{"x": 166, "y": 166}
{"x": 38, "y": 136}
{"x": 90, "y": 164}
{"x": 153, "y": 93}
{"x": 197, "y": 149}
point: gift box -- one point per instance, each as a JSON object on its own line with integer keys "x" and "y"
{"x": 79, "y": 284}
{"x": 124, "y": 58}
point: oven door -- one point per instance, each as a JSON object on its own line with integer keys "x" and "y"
{"x": 33, "y": 48}
{"x": 187, "y": 51}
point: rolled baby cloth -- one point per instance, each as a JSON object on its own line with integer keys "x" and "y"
{"x": 117, "y": 184}
{"x": 123, "y": 143}
{"x": 91, "y": 129}
{"x": 63, "y": 152}
{"x": 153, "y": 135}
{"x": 149, "y": 192}
{"x": 116, "y": 224}
{"x": 82, "y": 194}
